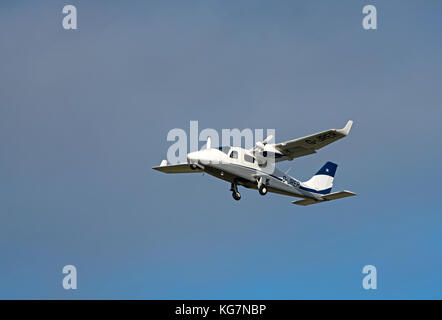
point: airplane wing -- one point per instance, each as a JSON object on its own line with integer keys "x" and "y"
{"x": 309, "y": 144}
{"x": 327, "y": 197}
{"x": 175, "y": 168}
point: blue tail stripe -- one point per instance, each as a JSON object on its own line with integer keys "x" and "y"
{"x": 328, "y": 169}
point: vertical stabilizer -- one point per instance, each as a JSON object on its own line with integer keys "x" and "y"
{"x": 322, "y": 181}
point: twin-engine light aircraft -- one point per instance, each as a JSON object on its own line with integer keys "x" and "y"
{"x": 255, "y": 168}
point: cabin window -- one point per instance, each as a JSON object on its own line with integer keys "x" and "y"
{"x": 224, "y": 149}
{"x": 234, "y": 155}
{"x": 249, "y": 158}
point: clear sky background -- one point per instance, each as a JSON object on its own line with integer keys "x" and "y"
{"x": 84, "y": 116}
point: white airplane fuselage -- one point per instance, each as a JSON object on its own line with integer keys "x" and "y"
{"x": 244, "y": 169}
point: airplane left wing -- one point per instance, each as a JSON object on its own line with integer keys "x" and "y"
{"x": 309, "y": 144}
{"x": 175, "y": 168}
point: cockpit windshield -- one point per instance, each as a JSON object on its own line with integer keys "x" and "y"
{"x": 224, "y": 149}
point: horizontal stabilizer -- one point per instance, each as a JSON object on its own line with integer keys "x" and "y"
{"x": 338, "y": 195}
{"x": 305, "y": 202}
{"x": 327, "y": 197}
{"x": 175, "y": 168}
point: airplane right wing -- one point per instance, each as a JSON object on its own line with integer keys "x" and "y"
{"x": 309, "y": 144}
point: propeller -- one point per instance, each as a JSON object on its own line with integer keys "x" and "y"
{"x": 261, "y": 144}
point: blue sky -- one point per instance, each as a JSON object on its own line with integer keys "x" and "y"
{"x": 84, "y": 116}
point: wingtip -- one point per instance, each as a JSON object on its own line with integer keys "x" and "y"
{"x": 162, "y": 164}
{"x": 351, "y": 193}
{"x": 346, "y": 129}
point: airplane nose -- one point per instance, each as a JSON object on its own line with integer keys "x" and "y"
{"x": 192, "y": 158}
{"x": 199, "y": 157}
